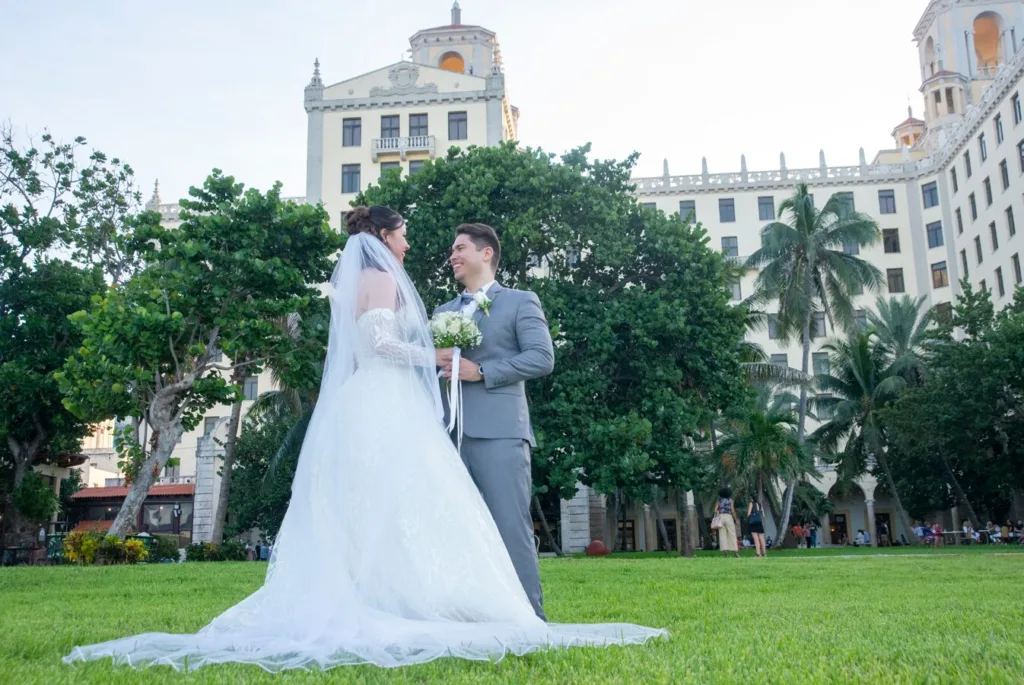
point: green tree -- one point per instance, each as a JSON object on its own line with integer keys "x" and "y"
{"x": 904, "y": 327}
{"x": 859, "y": 385}
{"x": 760, "y": 449}
{"x": 35, "y": 499}
{"x": 645, "y": 339}
{"x": 806, "y": 266}
{"x": 238, "y": 264}
{"x": 52, "y": 205}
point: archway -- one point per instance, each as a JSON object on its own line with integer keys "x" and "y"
{"x": 988, "y": 41}
{"x": 848, "y": 513}
{"x": 452, "y": 61}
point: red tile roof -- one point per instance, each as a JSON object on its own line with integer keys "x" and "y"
{"x": 98, "y": 526}
{"x": 167, "y": 490}
{"x": 911, "y": 121}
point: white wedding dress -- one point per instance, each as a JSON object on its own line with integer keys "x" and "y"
{"x": 387, "y": 554}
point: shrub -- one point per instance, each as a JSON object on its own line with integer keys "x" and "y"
{"x": 112, "y": 549}
{"x": 166, "y": 547}
{"x": 35, "y": 499}
{"x": 195, "y": 552}
{"x": 135, "y": 551}
{"x": 213, "y": 552}
{"x": 233, "y": 550}
{"x": 80, "y": 546}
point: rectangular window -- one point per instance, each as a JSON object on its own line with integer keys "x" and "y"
{"x": 1004, "y": 172}
{"x": 1011, "y": 223}
{"x": 977, "y": 248}
{"x": 1000, "y": 286}
{"x": 891, "y": 240}
{"x": 983, "y": 286}
{"x": 846, "y": 206}
{"x": 649, "y": 205}
{"x": 934, "y": 231}
{"x": 251, "y": 389}
{"x": 1018, "y": 113}
{"x": 952, "y": 178}
{"x": 940, "y": 277}
{"x": 995, "y": 236}
{"x": 352, "y": 132}
{"x": 727, "y": 210}
{"x": 851, "y": 248}
{"x": 418, "y": 125}
{"x": 895, "y": 280}
{"x": 773, "y": 326}
{"x": 458, "y": 126}
{"x": 737, "y": 293}
{"x": 825, "y": 411}
{"x": 780, "y": 359}
{"x": 860, "y": 318}
{"x": 688, "y": 211}
{"x": 820, "y": 361}
{"x": 974, "y": 207}
{"x": 210, "y": 424}
{"x": 886, "y": 201}
{"x": 1017, "y": 275}
{"x": 988, "y": 191}
{"x": 999, "y": 128}
{"x": 967, "y": 163}
{"x": 389, "y": 166}
{"x": 390, "y": 126}
{"x": 1020, "y": 155}
{"x": 350, "y": 178}
{"x": 766, "y": 208}
{"x": 982, "y": 147}
{"x": 950, "y": 103}
{"x": 731, "y": 246}
{"x": 944, "y": 312}
{"x": 959, "y": 222}
{"x": 416, "y": 166}
{"x": 963, "y": 262}
{"x": 818, "y": 324}
{"x": 930, "y": 194}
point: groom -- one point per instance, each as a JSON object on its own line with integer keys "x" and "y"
{"x": 497, "y": 433}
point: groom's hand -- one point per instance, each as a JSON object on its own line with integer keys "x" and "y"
{"x": 443, "y": 358}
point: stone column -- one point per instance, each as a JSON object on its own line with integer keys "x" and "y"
{"x": 576, "y": 520}
{"x": 825, "y": 534}
{"x": 207, "y": 487}
{"x": 870, "y": 503}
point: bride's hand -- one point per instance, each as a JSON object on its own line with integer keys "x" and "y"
{"x": 443, "y": 357}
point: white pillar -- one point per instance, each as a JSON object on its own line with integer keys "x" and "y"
{"x": 825, "y": 534}
{"x": 207, "y": 489}
{"x": 576, "y": 520}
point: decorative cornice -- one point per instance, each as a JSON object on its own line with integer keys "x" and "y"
{"x": 930, "y": 12}
{"x": 406, "y": 100}
{"x": 403, "y": 82}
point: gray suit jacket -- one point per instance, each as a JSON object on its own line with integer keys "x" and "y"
{"x": 516, "y": 348}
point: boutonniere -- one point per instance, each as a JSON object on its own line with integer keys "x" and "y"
{"x": 483, "y": 303}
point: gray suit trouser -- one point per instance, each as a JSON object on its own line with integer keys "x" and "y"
{"x": 501, "y": 471}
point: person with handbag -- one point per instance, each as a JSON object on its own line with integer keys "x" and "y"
{"x": 755, "y": 522}
{"x": 726, "y": 523}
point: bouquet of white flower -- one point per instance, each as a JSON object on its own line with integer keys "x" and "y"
{"x": 455, "y": 329}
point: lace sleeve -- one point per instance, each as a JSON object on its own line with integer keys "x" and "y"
{"x": 383, "y": 335}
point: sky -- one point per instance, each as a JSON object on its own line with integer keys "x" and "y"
{"x": 179, "y": 88}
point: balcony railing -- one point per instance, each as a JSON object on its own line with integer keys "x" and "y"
{"x": 402, "y": 145}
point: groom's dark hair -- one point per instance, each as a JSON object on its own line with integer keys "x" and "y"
{"x": 482, "y": 236}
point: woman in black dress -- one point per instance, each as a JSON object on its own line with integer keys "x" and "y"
{"x": 755, "y": 521}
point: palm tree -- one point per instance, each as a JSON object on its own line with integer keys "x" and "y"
{"x": 903, "y": 326}
{"x": 860, "y": 383}
{"x": 805, "y": 264}
{"x": 760, "y": 446}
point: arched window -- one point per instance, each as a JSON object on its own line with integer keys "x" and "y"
{"x": 452, "y": 61}
{"x": 988, "y": 41}
{"x": 929, "y": 57}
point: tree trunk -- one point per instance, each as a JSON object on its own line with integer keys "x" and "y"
{"x": 230, "y": 447}
{"x": 168, "y": 430}
{"x": 702, "y": 525}
{"x": 547, "y": 529}
{"x": 714, "y": 450}
{"x": 621, "y": 520}
{"x": 959, "y": 494}
{"x": 801, "y": 429}
{"x": 24, "y": 455}
{"x": 686, "y": 540}
{"x": 900, "y": 511}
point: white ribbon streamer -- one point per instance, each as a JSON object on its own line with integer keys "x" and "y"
{"x": 455, "y": 398}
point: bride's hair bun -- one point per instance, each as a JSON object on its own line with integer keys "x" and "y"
{"x": 373, "y": 220}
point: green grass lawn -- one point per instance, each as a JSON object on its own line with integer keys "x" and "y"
{"x": 798, "y": 616}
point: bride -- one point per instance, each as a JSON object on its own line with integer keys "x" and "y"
{"x": 387, "y": 554}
